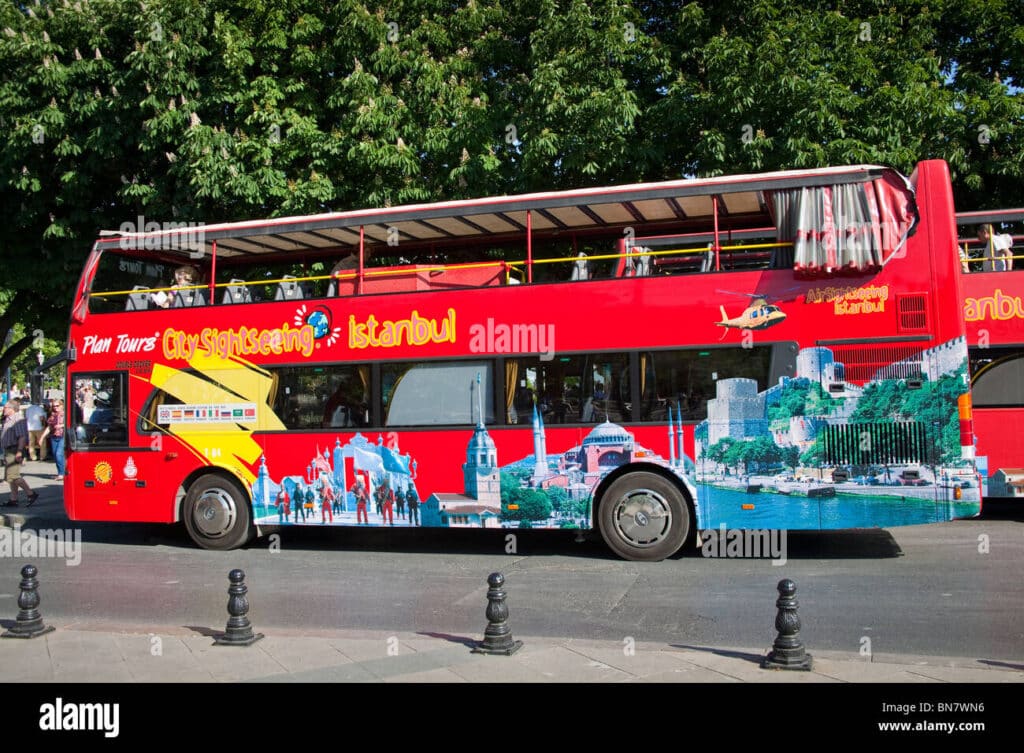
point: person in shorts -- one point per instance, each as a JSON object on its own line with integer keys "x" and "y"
{"x": 14, "y": 441}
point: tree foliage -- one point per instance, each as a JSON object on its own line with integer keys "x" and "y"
{"x": 933, "y": 404}
{"x": 520, "y": 503}
{"x": 188, "y": 110}
{"x": 753, "y": 455}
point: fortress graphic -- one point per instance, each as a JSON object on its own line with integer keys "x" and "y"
{"x": 739, "y": 412}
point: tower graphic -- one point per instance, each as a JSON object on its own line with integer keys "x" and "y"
{"x": 480, "y": 473}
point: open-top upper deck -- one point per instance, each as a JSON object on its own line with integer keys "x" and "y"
{"x": 815, "y": 221}
{"x": 588, "y": 210}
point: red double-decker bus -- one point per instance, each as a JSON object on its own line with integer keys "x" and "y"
{"x": 772, "y": 351}
{"x": 992, "y": 281}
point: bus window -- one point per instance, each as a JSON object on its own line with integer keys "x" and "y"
{"x": 1000, "y": 383}
{"x": 685, "y": 379}
{"x": 568, "y": 389}
{"x": 116, "y": 275}
{"x": 99, "y": 410}
{"x": 327, "y": 396}
{"x": 433, "y": 394}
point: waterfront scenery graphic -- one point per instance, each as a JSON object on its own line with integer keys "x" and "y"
{"x": 823, "y": 449}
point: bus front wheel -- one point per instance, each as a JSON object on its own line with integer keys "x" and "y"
{"x": 216, "y": 514}
{"x": 644, "y": 517}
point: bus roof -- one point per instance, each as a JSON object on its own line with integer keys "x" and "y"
{"x": 585, "y": 209}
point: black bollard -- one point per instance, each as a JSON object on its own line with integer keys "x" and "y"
{"x": 497, "y": 634}
{"x": 239, "y": 629}
{"x": 787, "y": 651}
{"x": 29, "y": 623}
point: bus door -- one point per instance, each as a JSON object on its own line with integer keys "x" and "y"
{"x": 103, "y": 468}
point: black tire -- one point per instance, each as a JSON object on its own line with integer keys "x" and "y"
{"x": 643, "y": 517}
{"x": 217, "y": 514}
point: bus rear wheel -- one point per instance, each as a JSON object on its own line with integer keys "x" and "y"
{"x": 643, "y": 517}
{"x": 216, "y": 514}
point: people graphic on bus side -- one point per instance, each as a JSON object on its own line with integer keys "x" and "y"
{"x": 400, "y": 503}
{"x": 309, "y": 508}
{"x": 282, "y": 505}
{"x": 327, "y": 503}
{"x": 387, "y": 502}
{"x": 412, "y": 499}
{"x": 359, "y": 492}
{"x": 997, "y": 252}
{"x": 299, "y": 504}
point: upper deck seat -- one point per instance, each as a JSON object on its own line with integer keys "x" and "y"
{"x": 188, "y": 298}
{"x": 237, "y": 292}
{"x": 138, "y": 301}
{"x": 288, "y": 289}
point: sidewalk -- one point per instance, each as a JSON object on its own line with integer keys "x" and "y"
{"x": 47, "y": 510}
{"x": 177, "y": 654}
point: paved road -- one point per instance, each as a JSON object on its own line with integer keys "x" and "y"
{"x": 953, "y": 589}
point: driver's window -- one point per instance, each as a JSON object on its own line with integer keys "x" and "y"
{"x": 99, "y": 409}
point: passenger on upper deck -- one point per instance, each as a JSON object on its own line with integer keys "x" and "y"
{"x": 347, "y": 264}
{"x": 184, "y": 277}
{"x": 997, "y": 254}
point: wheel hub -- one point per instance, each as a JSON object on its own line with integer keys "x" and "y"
{"x": 215, "y": 513}
{"x": 643, "y": 517}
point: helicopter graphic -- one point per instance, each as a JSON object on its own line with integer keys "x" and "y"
{"x": 759, "y": 314}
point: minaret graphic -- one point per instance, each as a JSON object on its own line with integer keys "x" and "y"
{"x": 339, "y": 465}
{"x": 263, "y": 483}
{"x": 679, "y": 433}
{"x": 480, "y": 471}
{"x": 671, "y": 439}
{"x": 540, "y": 450}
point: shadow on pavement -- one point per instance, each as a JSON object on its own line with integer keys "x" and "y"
{"x": 460, "y": 639}
{"x": 744, "y": 655}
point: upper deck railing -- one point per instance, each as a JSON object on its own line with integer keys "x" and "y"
{"x": 974, "y": 254}
{"x": 637, "y": 262}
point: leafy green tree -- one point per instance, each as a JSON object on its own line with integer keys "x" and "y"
{"x": 717, "y": 452}
{"x": 529, "y": 504}
{"x": 194, "y": 111}
{"x": 762, "y": 84}
{"x": 791, "y": 456}
{"x": 559, "y": 499}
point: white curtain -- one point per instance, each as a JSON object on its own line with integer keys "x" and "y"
{"x": 848, "y": 227}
